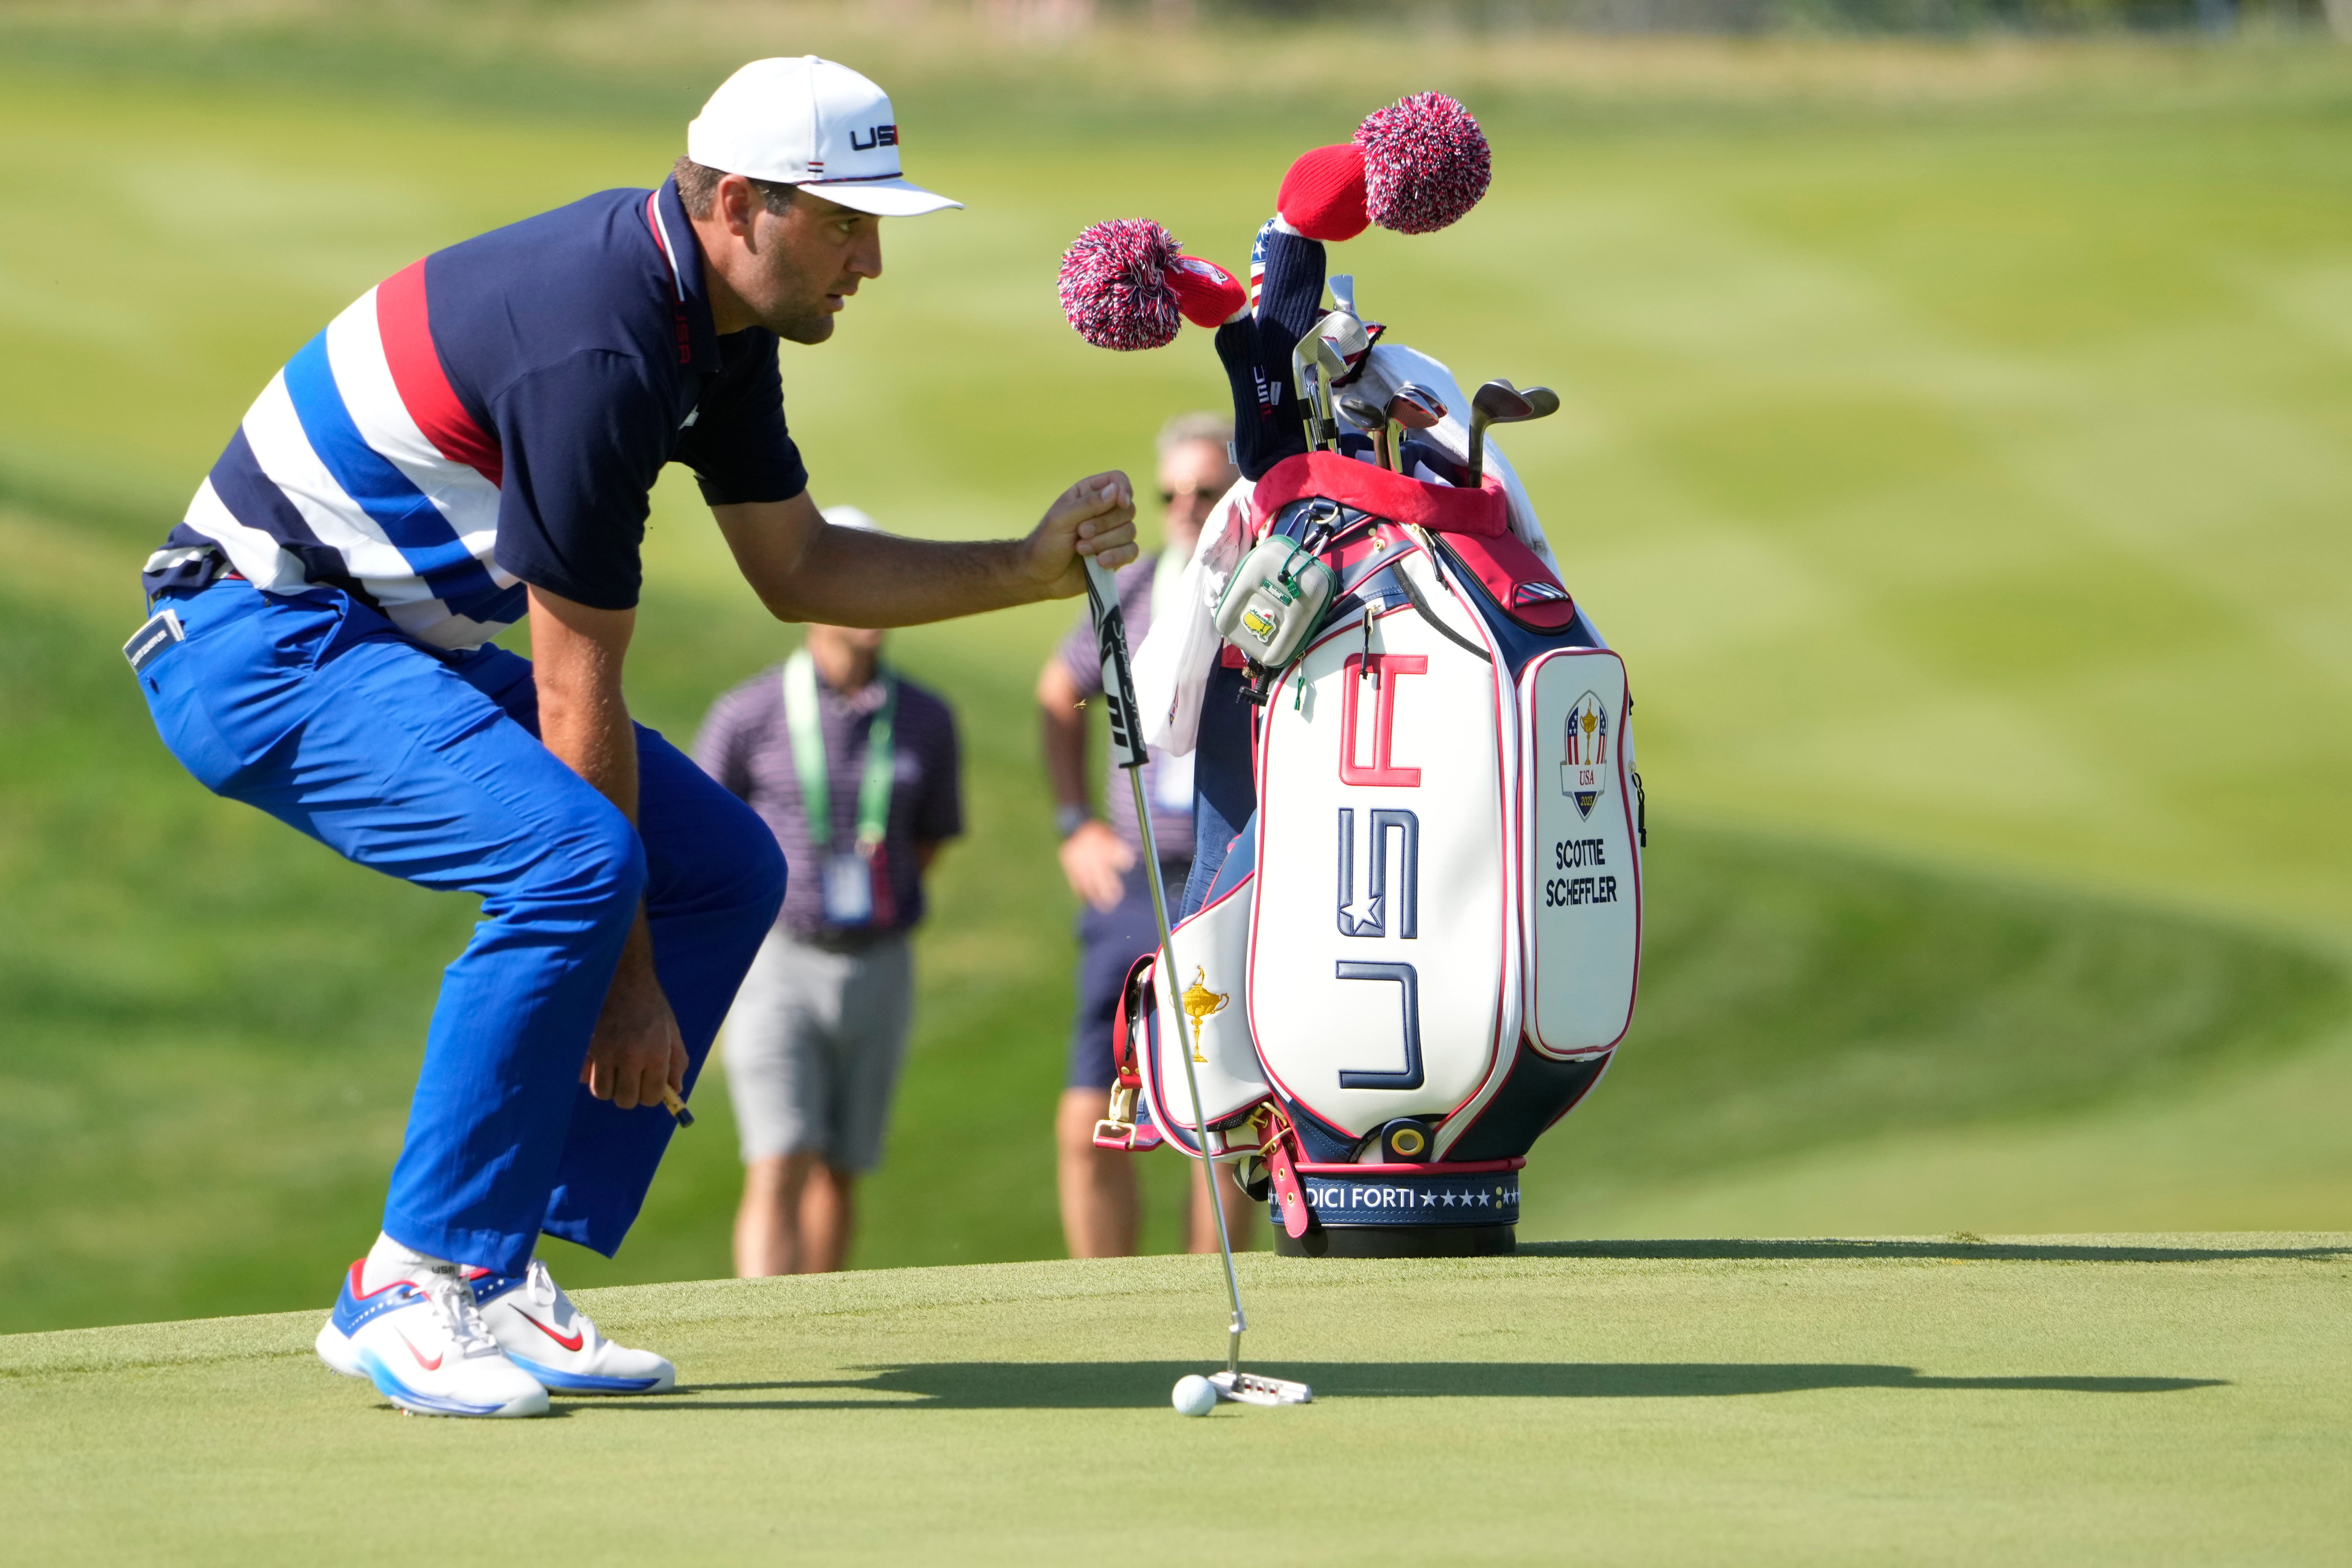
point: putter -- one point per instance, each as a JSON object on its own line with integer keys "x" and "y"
{"x": 1126, "y": 750}
{"x": 1367, "y": 418}
{"x": 1500, "y": 403}
{"x": 1413, "y": 407}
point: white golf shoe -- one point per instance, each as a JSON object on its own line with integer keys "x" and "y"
{"x": 423, "y": 1344}
{"x": 548, "y": 1337}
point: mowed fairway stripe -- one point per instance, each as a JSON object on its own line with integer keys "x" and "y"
{"x": 2063, "y": 1400}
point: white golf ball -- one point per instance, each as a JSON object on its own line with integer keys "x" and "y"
{"x": 1193, "y": 1396}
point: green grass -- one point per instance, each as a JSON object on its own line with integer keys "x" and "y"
{"x": 1954, "y": 441}
{"x": 2072, "y": 1401}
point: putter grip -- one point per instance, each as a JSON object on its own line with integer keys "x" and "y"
{"x": 1127, "y": 749}
{"x": 676, "y": 1107}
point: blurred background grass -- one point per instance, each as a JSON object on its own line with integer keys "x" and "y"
{"x": 1956, "y": 440}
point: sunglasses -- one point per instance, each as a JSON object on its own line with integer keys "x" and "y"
{"x": 1192, "y": 492}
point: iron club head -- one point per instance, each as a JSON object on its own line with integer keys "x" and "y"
{"x": 1316, "y": 364}
{"x": 1500, "y": 403}
{"x": 1413, "y": 406}
{"x": 1366, "y": 417}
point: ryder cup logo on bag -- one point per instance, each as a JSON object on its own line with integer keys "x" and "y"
{"x": 1584, "y": 774}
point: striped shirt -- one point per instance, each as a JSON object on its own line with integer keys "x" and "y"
{"x": 492, "y": 417}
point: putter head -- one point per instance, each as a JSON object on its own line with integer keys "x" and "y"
{"x": 1249, "y": 1388}
{"x": 1415, "y": 407}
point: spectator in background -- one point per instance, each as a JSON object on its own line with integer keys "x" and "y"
{"x": 1101, "y": 1215}
{"x": 855, "y": 770}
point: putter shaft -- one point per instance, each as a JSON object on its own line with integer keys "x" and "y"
{"x": 1128, "y": 752}
{"x": 1192, "y": 1080}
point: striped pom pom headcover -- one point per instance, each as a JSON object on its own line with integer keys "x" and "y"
{"x": 1114, "y": 285}
{"x": 1426, "y": 163}
{"x": 1126, "y": 284}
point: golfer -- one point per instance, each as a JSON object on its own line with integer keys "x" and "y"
{"x": 1101, "y": 1213}
{"x": 853, "y": 768}
{"x": 472, "y": 445}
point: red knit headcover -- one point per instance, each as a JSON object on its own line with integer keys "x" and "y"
{"x": 1323, "y": 196}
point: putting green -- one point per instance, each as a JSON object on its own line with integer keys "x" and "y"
{"x": 1949, "y": 428}
{"x": 2074, "y": 1400}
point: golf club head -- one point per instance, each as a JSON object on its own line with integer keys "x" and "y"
{"x": 1366, "y": 417}
{"x": 1497, "y": 402}
{"x": 1416, "y": 408}
{"x": 1346, "y": 335}
{"x": 1311, "y": 363}
{"x": 1543, "y": 400}
{"x": 1500, "y": 403}
{"x": 1249, "y": 1388}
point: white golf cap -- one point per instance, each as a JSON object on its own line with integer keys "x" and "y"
{"x": 810, "y": 122}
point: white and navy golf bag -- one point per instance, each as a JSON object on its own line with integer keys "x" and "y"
{"x": 1414, "y": 934}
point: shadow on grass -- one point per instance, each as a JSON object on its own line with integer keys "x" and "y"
{"x": 1107, "y": 1385}
{"x": 1955, "y": 1250}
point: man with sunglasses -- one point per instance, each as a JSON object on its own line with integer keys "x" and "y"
{"x": 1101, "y": 1214}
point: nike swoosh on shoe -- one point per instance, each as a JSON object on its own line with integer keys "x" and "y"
{"x": 573, "y": 1343}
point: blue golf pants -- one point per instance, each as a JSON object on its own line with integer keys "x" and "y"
{"x": 426, "y": 766}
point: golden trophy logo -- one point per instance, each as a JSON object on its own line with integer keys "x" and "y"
{"x": 1583, "y": 775}
{"x": 1200, "y": 1003}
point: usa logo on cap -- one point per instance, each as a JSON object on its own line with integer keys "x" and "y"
{"x": 811, "y": 123}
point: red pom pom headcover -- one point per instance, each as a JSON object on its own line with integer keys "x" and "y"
{"x": 1425, "y": 163}
{"x": 1125, "y": 283}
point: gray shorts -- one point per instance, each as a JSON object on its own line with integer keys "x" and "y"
{"x": 813, "y": 1047}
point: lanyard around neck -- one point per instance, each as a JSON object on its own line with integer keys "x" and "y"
{"x": 802, "y": 723}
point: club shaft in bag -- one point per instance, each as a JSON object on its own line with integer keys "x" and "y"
{"x": 1126, "y": 750}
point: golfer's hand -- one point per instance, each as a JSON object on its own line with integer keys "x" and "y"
{"x": 1094, "y": 517}
{"x": 1097, "y": 862}
{"x": 637, "y": 1048}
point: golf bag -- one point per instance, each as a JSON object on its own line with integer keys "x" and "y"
{"x": 1413, "y": 934}
{"x": 1421, "y": 947}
